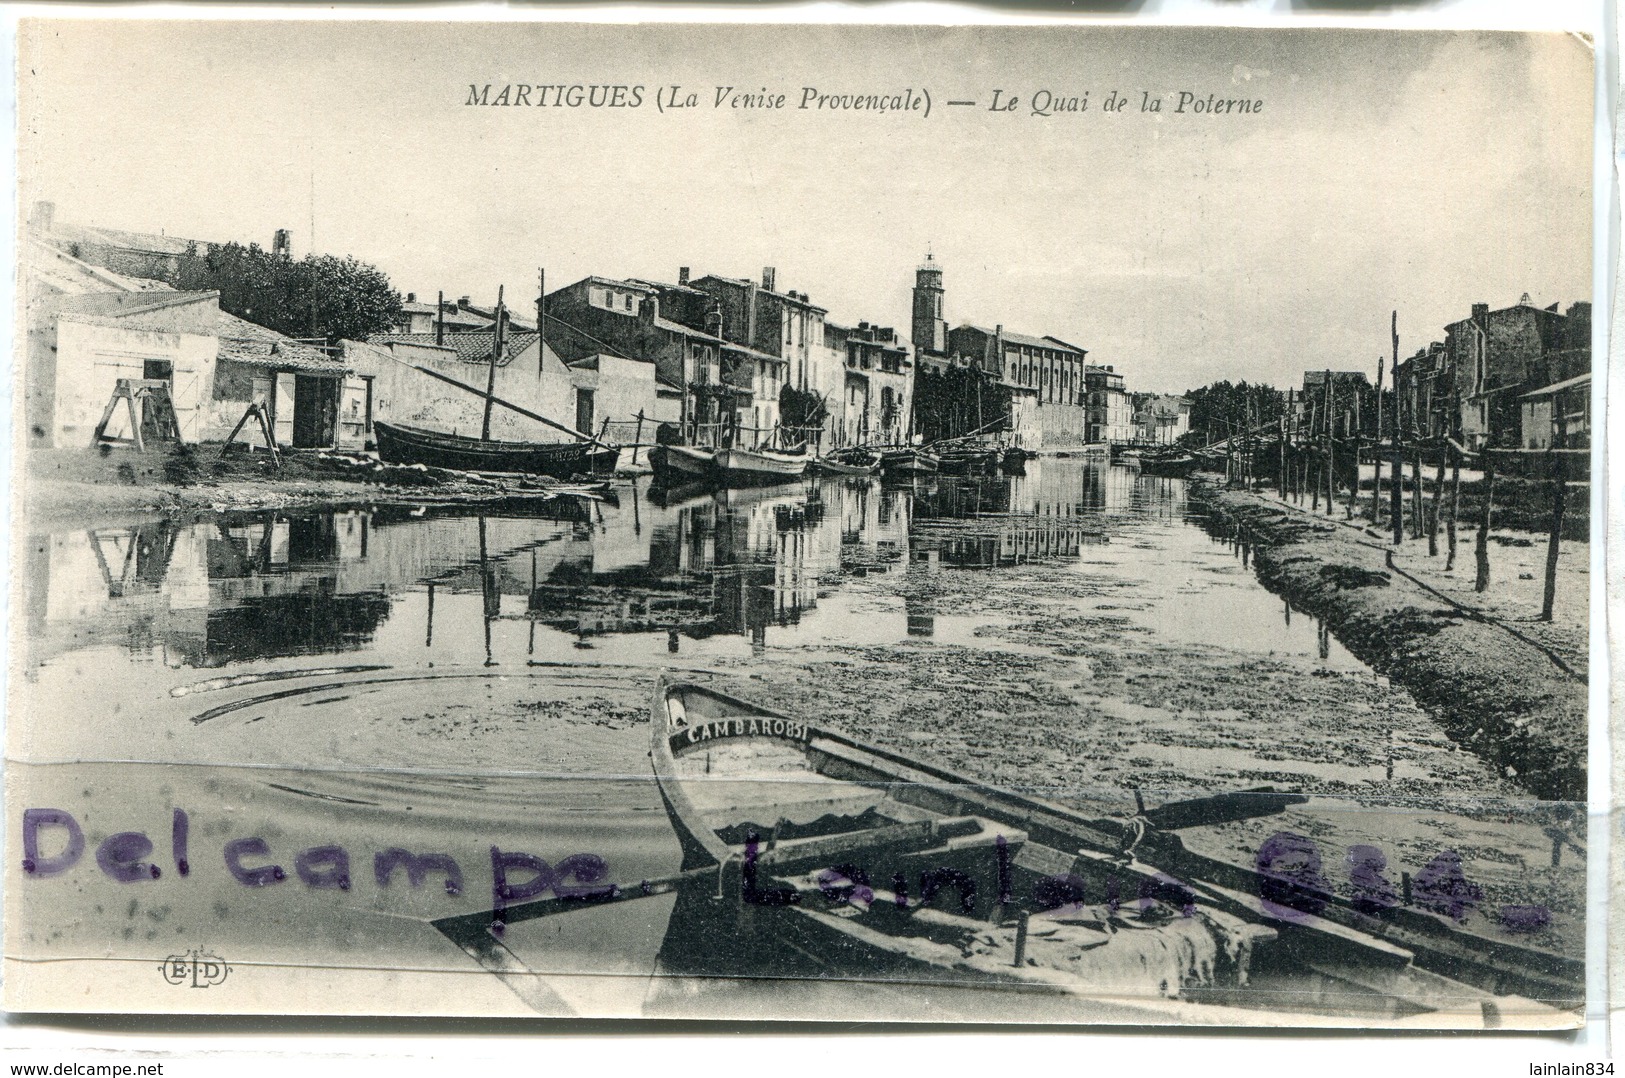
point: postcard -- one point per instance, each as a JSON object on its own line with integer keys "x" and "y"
{"x": 1053, "y": 524}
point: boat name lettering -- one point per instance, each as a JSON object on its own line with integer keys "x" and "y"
{"x": 760, "y": 726}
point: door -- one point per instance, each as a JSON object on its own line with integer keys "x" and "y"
{"x": 584, "y": 411}
{"x": 315, "y": 411}
{"x": 282, "y": 408}
{"x": 157, "y": 411}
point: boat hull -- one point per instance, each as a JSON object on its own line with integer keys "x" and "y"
{"x": 679, "y": 465}
{"x": 399, "y": 444}
{"x": 908, "y": 462}
{"x": 807, "y": 808}
{"x": 747, "y": 467}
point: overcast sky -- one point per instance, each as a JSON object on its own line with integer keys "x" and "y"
{"x": 1416, "y": 171}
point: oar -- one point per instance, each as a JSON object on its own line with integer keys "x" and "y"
{"x": 464, "y": 928}
{"x": 1220, "y": 808}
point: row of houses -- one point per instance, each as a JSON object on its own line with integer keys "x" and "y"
{"x": 1514, "y": 378}
{"x": 703, "y": 359}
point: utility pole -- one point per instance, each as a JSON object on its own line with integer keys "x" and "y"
{"x": 491, "y": 375}
{"x": 1396, "y": 506}
{"x": 541, "y": 321}
{"x": 1376, "y": 455}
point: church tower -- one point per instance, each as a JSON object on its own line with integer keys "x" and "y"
{"x": 930, "y": 330}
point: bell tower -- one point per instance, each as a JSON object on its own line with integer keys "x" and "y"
{"x": 930, "y": 331}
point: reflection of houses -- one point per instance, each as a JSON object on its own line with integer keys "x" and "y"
{"x": 998, "y": 523}
{"x": 206, "y": 594}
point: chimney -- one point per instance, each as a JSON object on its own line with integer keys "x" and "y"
{"x": 411, "y": 297}
{"x": 767, "y": 278}
{"x": 682, "y": 275}
{"x": 281, "y": 243}
{"x": 440, "y": 318}
{"x": 462, "y": 301}
{"x": 44, "y": 216}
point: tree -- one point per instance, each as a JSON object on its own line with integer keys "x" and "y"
{"x": 317, "y": 296}
{"x": 1223, "y": 408}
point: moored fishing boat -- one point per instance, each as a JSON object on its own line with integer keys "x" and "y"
{"x": 748, "y": 467}
{"x": 401, "y": 444}
{"x": 849, "y": 462}
{"x": 907, "y": 462}
{"x": 1169, "y": 463}
{"x": 679, "y": 465}
{"x": 821, "y": 856}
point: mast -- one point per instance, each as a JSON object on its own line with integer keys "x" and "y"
{"x": 491, "y": 374}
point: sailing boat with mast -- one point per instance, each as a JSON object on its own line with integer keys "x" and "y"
{"x": 399, "y": 443}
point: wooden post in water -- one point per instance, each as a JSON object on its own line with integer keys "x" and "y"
{"x": 1326, "y": 437}
{"x": 1309, "y": 463}
{"x": 1559, "y": 494}
{"x": 1395, "y": 507}
{"x": 1282, "y": 474}
{"x": 1376, "y": 455}
{"x": 491, "y": 375}
{"x": 1416, "y": 490}
{"x": 1482, "y": 547}
{"x": 1354, "y": 454}
{"x": 1438, "y": 495}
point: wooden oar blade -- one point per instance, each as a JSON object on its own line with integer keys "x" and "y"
{"x": 1222, "y": 808}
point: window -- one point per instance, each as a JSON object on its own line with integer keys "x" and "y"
{"x": 629, "y": 302}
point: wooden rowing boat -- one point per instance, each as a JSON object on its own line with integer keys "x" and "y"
{"x": 749, "y": 467}
{"x": 846, "y": 463}
{"x": 678, "y": 465}
{"x": 811, "y": 854}
{"x": 401, "y": 444}
{"x": 907, "y": 462}
{"x": 1169, "y": 464}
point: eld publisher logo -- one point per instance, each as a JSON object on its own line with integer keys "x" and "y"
{"x": 196, "y": 969}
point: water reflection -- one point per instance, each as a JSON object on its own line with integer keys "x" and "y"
{"x": 686, "y": 566}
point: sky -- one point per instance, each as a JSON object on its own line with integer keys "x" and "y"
{"x": 1402, "y": 170}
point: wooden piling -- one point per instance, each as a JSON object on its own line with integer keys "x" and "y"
{"x": 1396, "y": 508}
{"x": 1376, "y": 455}
{"x": 1438, "y": 495}
{"x": 1559, "y": 493}
{"x": 1482, "y": 548}
{"x": 1416, "y": 490}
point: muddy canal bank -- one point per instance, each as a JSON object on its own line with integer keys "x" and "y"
{"x": 1491, "y": 685}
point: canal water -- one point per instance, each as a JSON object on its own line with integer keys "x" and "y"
{"x": 446, "y": 679}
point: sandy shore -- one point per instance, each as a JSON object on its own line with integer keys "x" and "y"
{"x": 1507, "y": 686}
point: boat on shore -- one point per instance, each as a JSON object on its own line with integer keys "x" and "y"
{"x": 809, "y": 854}
{"x": 401, "y": 444}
